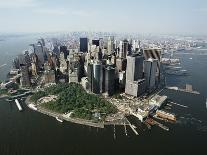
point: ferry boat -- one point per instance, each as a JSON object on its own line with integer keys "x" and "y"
{"x": 206, "y": 103}
{"x": 59, "y": 120}
{"x": 166, "y": 115}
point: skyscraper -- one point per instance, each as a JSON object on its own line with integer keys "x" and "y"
{"x": 25, "y": 79}
{"x": 134, "y": 68}
{"x": 135, "y": 84}
{"x": 97, "y": 77}
{"x": 84, "y": 45}
{"x": 109, "y": 80}
{"x": 150, "y": 67}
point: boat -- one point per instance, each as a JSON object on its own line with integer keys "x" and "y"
{"x": 32, "y": 106}
{"x": 59, "y": 120}
{"x": 18, "y": 105}
{"x": 190, "y": 58}
{"x": 166, "y": 115}
{"x": 206, "y": 103}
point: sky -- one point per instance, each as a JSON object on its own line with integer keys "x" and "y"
{"x": 140, "y": 16}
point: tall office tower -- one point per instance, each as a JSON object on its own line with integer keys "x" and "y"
{"x": 134, "y": 45}
{"x": 27, "y": 58}
{"x": 135, "y": 85}
{"x": 101, "y": 44}
{"x": 95, "y": 42}
{"x": 63, "y": 63}
{"x": 84, "y": 45}
{"x": 150, "y": 67}
{"x": 125, "y": 48}
{"x": 25, "y": 79}
{"x": 120, "y": 50}
{"x": 134, "y": 69}
{"x": 90, "y": 76}
{"x": 65, "y": 51}
{"x": 34, "y": 69}
{"x": 135, "y": 88}
{"x": 97, "y": 77}
{"x": 122, "y": 79}
{"x": 139, "y": 44}
{"x": 109, "y": 80}
{"x": 109, "y": 46}
{"x": 56, "y": 50}
{"x": 50, "y": 61}
{"x": 38, "y": 50}
{"x": 154, "y": 54}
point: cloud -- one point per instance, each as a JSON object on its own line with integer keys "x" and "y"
{"x": 7, "y": 4}
{"x": 51, "y": 11}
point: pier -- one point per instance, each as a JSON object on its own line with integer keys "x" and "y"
{"x": 184, "y": 106}
{"x": 18, "y": 105}
{"x": 114, "y": 132}
{"x": 132, "y": 127}
{"x": 153, "y": 122}
{"x": 188, "y": 89}
{"x": 125, "y": 129}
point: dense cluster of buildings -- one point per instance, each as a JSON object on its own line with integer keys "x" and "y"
{"x": 102, "y": 66}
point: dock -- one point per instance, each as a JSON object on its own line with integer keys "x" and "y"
{"x": 184, "y": 106}
{"x": 188, "y": 89}
{"x": 132, "y": 127}
{"x": 153, "y": 122}
{"x": 125, "y": 129}
{"x": 114, "y": 132}
{"x": 18, "y": 105}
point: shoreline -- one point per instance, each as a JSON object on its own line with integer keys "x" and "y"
{"x": 61, "y": 116}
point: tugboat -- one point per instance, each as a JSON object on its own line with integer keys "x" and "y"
{"x": 59, "y": 120}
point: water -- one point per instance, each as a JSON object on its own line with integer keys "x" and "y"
{"x": 28, "y": 132}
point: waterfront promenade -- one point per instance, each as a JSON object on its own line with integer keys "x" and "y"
{"x": 63, "y": 117}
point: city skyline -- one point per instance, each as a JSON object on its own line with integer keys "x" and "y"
{"x": 159, "y": 17}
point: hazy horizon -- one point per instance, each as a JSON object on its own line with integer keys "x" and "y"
{"x": 132, "y": 16}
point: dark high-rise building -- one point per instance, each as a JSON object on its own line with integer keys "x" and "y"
{"x": 25, "y": 79}
{"x": 150, "y": 67}
{"x": 97, "y": 77}
{"x": 90, "y": 77}
{"x": 125, "y": 48}
{"x": 109, "y": 80}
{"x": 65, "y": 51}
{"x": 95, "y": 42}
{"x": 56, "y": 50}
{"x": 84, "y": 45}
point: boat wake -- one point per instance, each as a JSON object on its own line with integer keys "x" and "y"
{"x": 198, "y": 124}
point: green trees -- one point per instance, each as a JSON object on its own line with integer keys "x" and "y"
{"x": 37, "y": 96}
{"x": 72, "y": 97}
